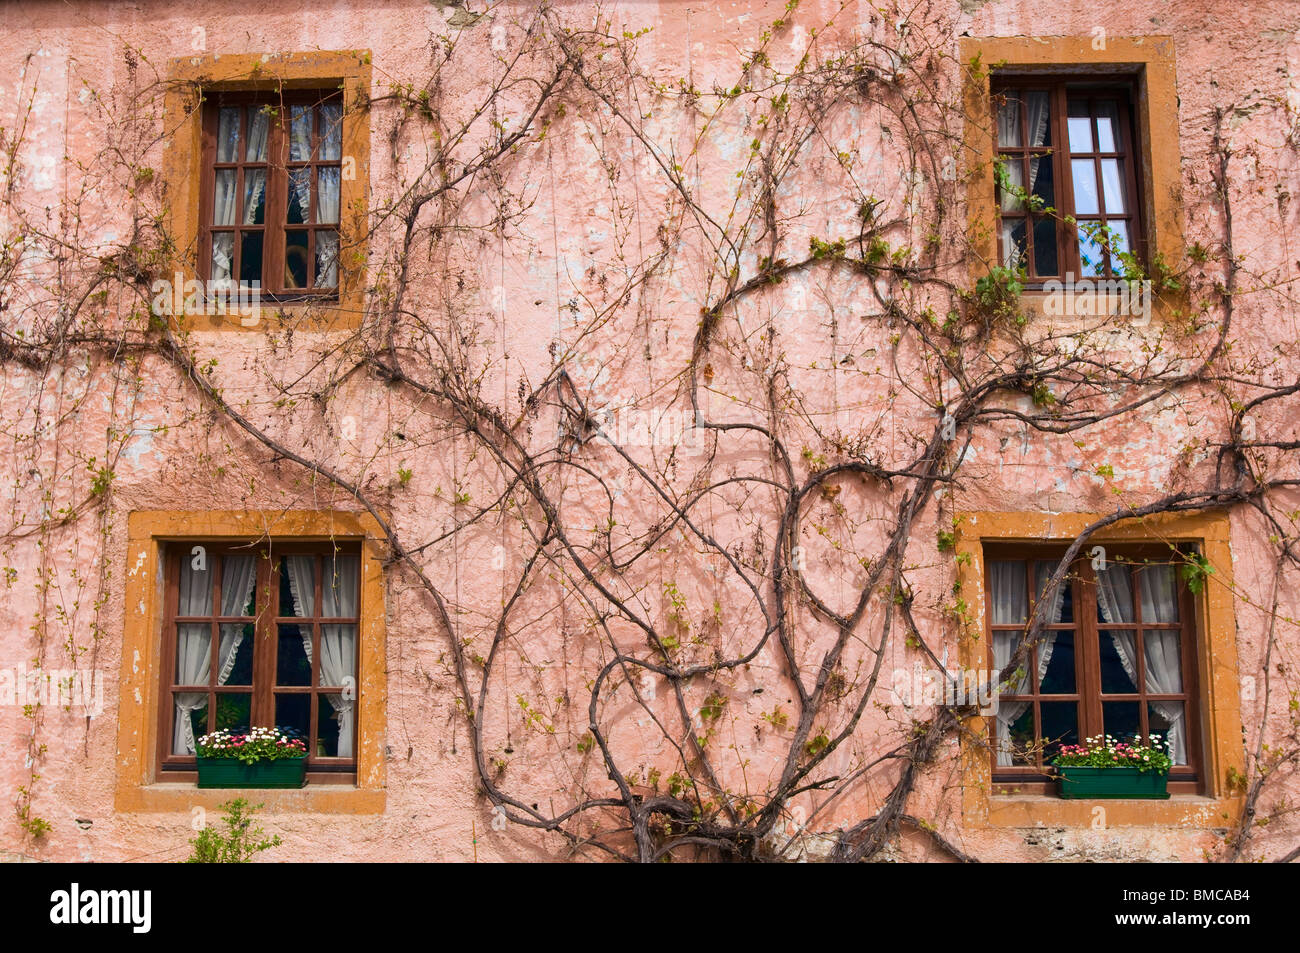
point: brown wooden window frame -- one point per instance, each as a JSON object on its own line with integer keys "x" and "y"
{"x": 275, "y": 227}
{"x": 1088, "y": 694}
{"x": 267, "y": 618}
{"x": 1061, "y": 89}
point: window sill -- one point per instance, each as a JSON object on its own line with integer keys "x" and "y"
{"x": 323, "y": 314}
{"x": 181, "y": 796}
{"x": 1046, "y": 810}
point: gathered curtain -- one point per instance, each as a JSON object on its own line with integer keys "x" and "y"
{"x": 194, "y": 639}
{"x": 338, "y": 641}
{"x": 1161, "y": 650}
{"x": 1011, "y": 607}
{"x": 1039, "y": 113}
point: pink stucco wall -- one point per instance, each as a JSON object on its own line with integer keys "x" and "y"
{"x": 589, "y": 207}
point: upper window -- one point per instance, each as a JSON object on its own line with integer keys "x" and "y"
{"x": 1115, "y": 657}
{"x": 1067, "y": 177}
{"x": 269, "y": 206}
{"x": 261, "y": 635}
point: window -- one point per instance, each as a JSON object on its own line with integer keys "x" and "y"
{"x": 255, "y": 199}
{"x": 1116, "y": 656}
{"x": 1070, "y": 148}
{"x": 261, "y": 635}
{"x": 272, "y": 168}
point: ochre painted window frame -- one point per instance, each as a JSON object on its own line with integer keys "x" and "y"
{"x": 141, "y": 786}
{"x": 1146, "y": 60}
{"x": 1218, "y": 805}
{"x": 348, "y": 71}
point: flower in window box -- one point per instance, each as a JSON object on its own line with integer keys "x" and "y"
{"x": 1104, "y": 767}
{"x": 252, "y": 758}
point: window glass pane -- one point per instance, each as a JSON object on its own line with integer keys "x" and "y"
{"x": 1060, "y": 726}
{"x": 1084, "y": 177}
{"x": 238, "y": 573}
{"x": 1079, "y": 126}
{"x": 1164, "y": 661}
{"x": 1168, "y": 721}
{"x": 1159, "y": 594}
{"x": 1056, "y": 662}
{"x": 235, "y": 654}
{"x": 1009, "y": 122}
{"x": 254, "y": 197}
{"x": 338, "y": 656}
{"x": 1118, "y": 243}
{"x": 223, "y": 198}
{"x": 1017, "y": 737}
{"x": 293, "y": 711}
{"x": 1007, "y": 591}
{"x": 250, "y": 256}
{"x": 295, "y": 258}
{"x": 339, "y": 587}
{"x": 1120, "y": 721}
{"x": 327, "y": 259}
{"x": 1061, "y": 609}
{"x": 293, "y": 655}
{"x": 190, "y": 707}
{"x": 195, "y": 588}
{"x": 331, "y": 131}
{"x": 1116, "y": 594}
{"x": 223, "y": 251}
{"x": 332, "y": 726}
{"x": 1040, "y": 182}
{"x": 298, "y": 586}
{"x": 1045, "y": 258}
{"x": 234, "y": 710}
{"x": 1112, "y": 186}
{"x": 1118, "y": 649}
{"x": 259, "y": 121}
{"x": 193, "y": 653}
{"x": 1013, "y": 242}
{"x": 227, "y": 134}
{"x": 299, "y": 210}
{"x": 1039, "y": 116}
{"x": 1004, "y": 646}
{"x": 1015, "y": 177}
{"x": 300, "y": 133}
{"x": 1107, "y": 127}
{"x": 1090, "y": 256}
{"x": 327, "y": 195}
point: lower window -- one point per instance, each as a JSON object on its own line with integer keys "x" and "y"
{"x": 261, "y": 634}
{"x": 1116, "y": 656}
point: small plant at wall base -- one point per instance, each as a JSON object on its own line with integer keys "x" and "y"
{"x": 255, "y": 758}
{"x": 1105, "y": 767}
{"x": 238, "y": 845}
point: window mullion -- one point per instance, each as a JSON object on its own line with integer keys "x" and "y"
{"x": 263, "y": 661}
{"x": 277, "y": 199}
{"x": 1068, "y": 251}
{"x": 1089, "y": 672}
{"x": 207, "y": 191}
{"x": 313, "y": 704}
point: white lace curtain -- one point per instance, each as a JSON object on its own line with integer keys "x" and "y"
{"x": 223, "y": 205}
{"x": 194, "y": 639}
{"x": 1037, "y": 105}
{"x": 338, "y": 656}
{"x": 1011, "y": 607}
{"x": 1161, "y": 651}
